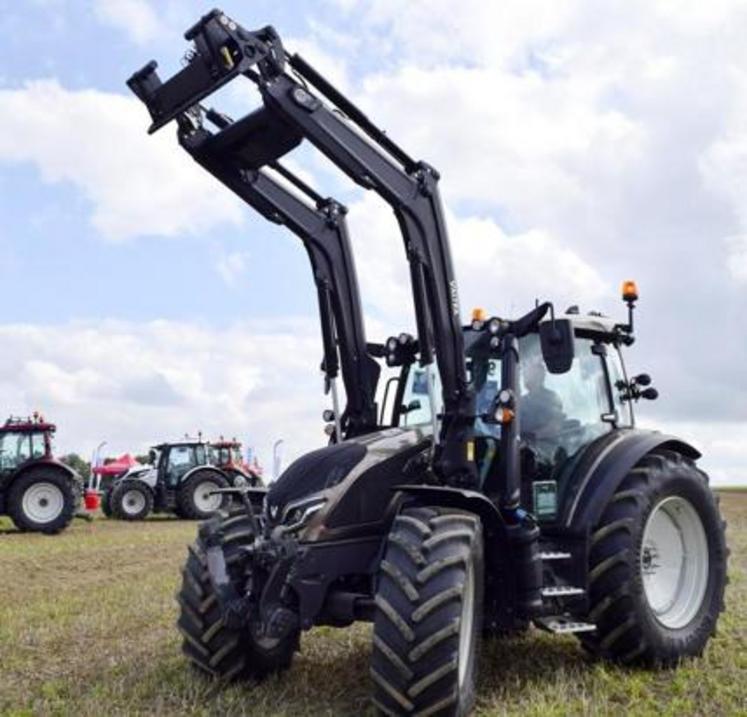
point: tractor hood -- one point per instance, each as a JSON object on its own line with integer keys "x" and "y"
{"x": 345, "y": 483}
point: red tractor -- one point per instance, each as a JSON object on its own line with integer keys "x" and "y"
{"x": 37, "y": 491}
{"x": 227, "y": 456}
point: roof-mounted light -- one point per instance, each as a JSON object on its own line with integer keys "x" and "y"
{"x": 629, "y": 291}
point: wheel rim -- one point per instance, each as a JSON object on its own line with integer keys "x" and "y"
{"x": 43, "y": 502}
{"x": 133, "y": 502}
{"x": 674, "y": 562}
{"x": 466, "y": 623}
{"x": 204, "y": 501}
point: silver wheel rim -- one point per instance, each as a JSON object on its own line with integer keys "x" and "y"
{"x": 43, "y": 502}
{"x": 674, "y": 562}
{"x": 133, "y": 502}
{"x": 466, "y": 623}
{"x": 204, "y": 501}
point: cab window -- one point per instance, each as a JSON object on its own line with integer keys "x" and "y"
{"x": 416, "y": 406}
{"x": 617, "y": 382}
{"x": 561, "y": 413}
{"x": 38, "y": 449}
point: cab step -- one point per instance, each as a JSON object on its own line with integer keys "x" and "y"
{"x": 555, "y": 555}
{"x": 554, "y": 591}
{"x": 563, "y": 624}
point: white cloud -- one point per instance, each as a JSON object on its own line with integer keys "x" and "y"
{"x": 501, "y": 272}
{"x": 137, "y": 184}
{"x": 507, "y": 139}
{"x": 722, "y": 444}
{"x": 232, "y": 266}
{"x": 133, "y": 384}
{"x": 737, "y": 258}
{"x": 136, "y": 18}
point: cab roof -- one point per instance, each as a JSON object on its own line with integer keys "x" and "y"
{"x": 183, "y": 442}
{"x": 31, "y": 424}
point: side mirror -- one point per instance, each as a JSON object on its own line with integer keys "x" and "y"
{"x": 642, "y": 379}
{"x": 558, "y": 347}
{"x": 650, "y": 394}
{"x": 414, "y": 405}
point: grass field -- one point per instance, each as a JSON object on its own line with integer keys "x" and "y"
{"x": 87, "y": 628}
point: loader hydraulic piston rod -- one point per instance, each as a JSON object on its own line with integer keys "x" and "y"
{"x": 323, "y": 231}
{"x": 222, "y": 51}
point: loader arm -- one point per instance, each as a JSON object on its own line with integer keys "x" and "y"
{"x": 222, "y": 51}
{"x": 323, "y": 230}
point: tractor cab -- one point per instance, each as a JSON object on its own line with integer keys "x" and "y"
{"x": 23, "y": 440}
{"x": 227, "y": 453}
{"x": 175, "y": 460}
{"x": 562, "y": 413}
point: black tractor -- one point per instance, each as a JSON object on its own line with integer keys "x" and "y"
{"x": 180, "y": 478}
{"x": 37, "y": 491}
{"x": 501, "y": 482}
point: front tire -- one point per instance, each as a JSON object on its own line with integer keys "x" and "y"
{"x": 43, "y": 501}
{"x": 428, "y": 614}
{"x": 131, "y": 499}
{"x": 657, "y": 565}
{"x": 213, "y": 647}
{"x": 194, "y": 500}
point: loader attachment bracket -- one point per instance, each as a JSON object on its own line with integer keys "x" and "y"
{"x": 222, "y": 50}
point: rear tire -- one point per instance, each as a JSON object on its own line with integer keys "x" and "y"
{"x": 428, "y": 614}
{"x": 657, "y": 565}
{"x": 215, "y": 649}
{"x": 131, "y": 499}
{"x": 193, "y": 501}
{"x": 43, "y": 500}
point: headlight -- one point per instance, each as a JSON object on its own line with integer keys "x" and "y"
{"x": 298, "y": 514}
{"x": 239, "y": 482}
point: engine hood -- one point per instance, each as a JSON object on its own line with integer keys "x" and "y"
{"x": 313, "y": 473}
{"x": 325, "y": 475}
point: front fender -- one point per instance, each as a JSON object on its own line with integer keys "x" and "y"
{"x": 469, "y": 500}
{"x": 598, "y": 481}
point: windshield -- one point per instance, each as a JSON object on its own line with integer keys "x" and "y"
{"x": 557, "y": 410}
{"x": 225, "y": 455}
{"x": 485, "y": 374}
{"x": 15, "y": 448}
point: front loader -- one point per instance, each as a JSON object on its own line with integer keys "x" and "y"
{"x": 508, "y": 486}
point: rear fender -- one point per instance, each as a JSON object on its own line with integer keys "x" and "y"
{"x": 601, "y": 479}
{"x": 207, "y": 469}
{"x": 50, "y": 464}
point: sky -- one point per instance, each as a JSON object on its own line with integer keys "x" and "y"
{"x": 579, "y": 144}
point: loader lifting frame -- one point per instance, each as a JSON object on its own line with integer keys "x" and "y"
{"x": 224, "y": 50}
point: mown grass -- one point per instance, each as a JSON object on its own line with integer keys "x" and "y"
{"x": 87, "y": 628}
